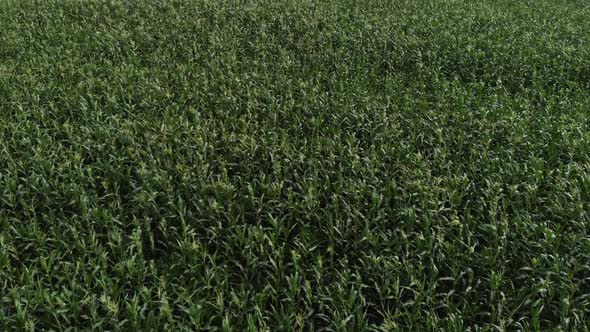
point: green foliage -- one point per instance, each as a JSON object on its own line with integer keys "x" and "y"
{"x": 294, "y": 165}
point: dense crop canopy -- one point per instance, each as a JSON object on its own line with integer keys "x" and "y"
{"x": 294, "y": 164}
